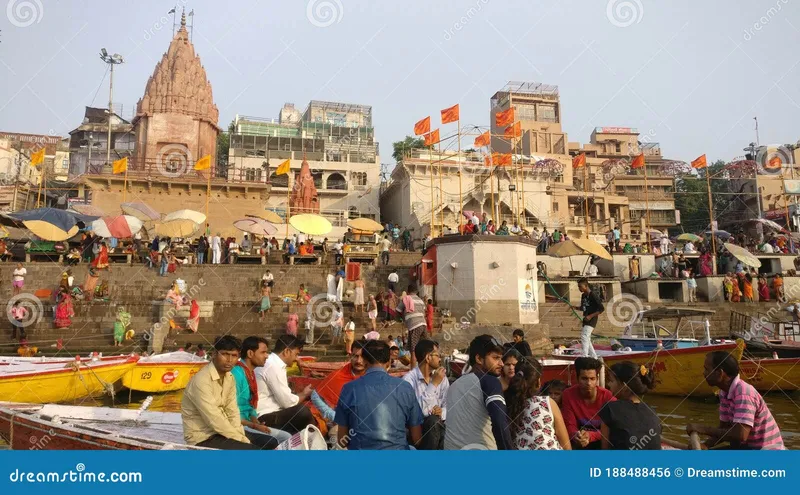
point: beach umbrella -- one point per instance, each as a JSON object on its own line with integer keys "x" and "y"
{"x": 311, "y": 224}
{"x": 365, "y": 224}
{"x": 50, "y": 224}
{"x": 743, "y": 255}
{"x": 140, "y": 210}
{"x": 255, "y": 226}
{"x": 689, "y": 237}
{"x": 656, "y": 234}
{"x": 268, "y": 215}
{"x": 180, "y": 227}
{"x": 575, "y": 247}
{"x": 121, "y": 226}
{"x": 194, "y": 216}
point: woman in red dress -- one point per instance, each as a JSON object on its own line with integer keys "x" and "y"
{"x": 101, "y": 261}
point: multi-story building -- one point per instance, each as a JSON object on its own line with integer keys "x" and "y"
{"x": 337, "y": 140}
{"x": 88, "y": 146}
{"x": 19, "y": 181}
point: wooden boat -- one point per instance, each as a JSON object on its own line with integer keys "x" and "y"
{"x": 767, "y": 338}
{"x": 646, "y": 333}
{"x": 57, "y": 427}
{"x": 295, "y": 369}
{"x": 771, "y": 375}
{"x": 61, "y": 381}
{"x": 163, "y": 372}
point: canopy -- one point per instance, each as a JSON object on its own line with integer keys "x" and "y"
{"x": 176, "y": 228}
{"x": 311, "y": 224}
{"x": 194, "y": 216}
{"x": 255, "y": 226}
{"x": 140, "y": 210}
{"x": 121, "y": 227}
{"x": 689, "y": 237}
{"x": 743, "y": 255}
{"x": 768, "y": 223}
{"x": 269, "y": 216}
{"x": 365, "y": 224}
{"x": 574, "y": 247}
{"x": 50, "y": 224}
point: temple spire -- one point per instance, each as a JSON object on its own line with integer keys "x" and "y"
{"x": 183, "y": 18}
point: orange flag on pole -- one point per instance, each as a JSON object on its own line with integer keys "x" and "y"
{"x": 513, "y": 131}
{"x": 450, "y": 114}
{"x": 505, "y": 118}
{"x": 432, "y": 138}
{"x": 579, "y": 161}
{"x": 483, "y": 140}
{"x": 700, "y": 162}
{"x": 422, "y": 127}
{"x": 638, "y": 162}
{"x": 497, "y": 159}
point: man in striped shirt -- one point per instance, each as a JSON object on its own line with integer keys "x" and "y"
{"x": 744, "y": 418}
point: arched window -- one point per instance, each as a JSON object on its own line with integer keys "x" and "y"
{"x": 336, "y": 181}
{"x": 279, "y": 180}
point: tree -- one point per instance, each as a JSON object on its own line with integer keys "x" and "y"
{"x": 401, "y": 149}
{"x": 691, "y": 198}
{"x": 223, "y": 145}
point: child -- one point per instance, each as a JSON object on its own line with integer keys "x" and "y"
{"x": 553, "y": 389}
{"x": 429, "y": 316}
{"x": 349, "y": 335}
{"x": 628, "y": 423}
{"x": 336, "y": 326}
{"x": 691, "y": 284}
{"x": 18, "y": 313}
{"x": 302, "y": 295}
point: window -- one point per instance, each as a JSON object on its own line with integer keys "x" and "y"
{"x": 359, "y": 178}
{"x": 279, "y": 180}
{"x": 352, "y": 212}
{"x": 317, "y": 179}
{"x": 618, "y": 147}
{"x": 547, "y": 113}
{"x": 336, "y": 181}
{"x": 252, "y": 175}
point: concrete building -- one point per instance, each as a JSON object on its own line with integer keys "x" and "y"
{"x": 88, "y": 144}
{"x": 19, "y": 181}
{"x": 336, "y": 139}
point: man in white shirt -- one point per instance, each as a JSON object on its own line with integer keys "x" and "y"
{"x": 269, "y": 279}
{"x": 767, "y": 248}
{"x": 664, "y": 245}
{"x": 385, "y": 245}
{"x": 18, "y": 281}
{"x": 689, "y": 247}
{"x": 278, "y": 407}
{"x": 393, "y": 279}
{"x": 475, "y": 220}
{"x": 516, "y": 229}
{"x": 430, "y": 386}
{"x": 216, "y": 249}
{"x": 339, "y": 250}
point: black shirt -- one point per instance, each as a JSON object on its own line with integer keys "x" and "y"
{"x": 521, "y": 347}
{"x": 590, "y": 303}
{"x": 631, "y": 426}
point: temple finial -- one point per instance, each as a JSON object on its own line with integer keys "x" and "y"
{"x": 183, "y": 17}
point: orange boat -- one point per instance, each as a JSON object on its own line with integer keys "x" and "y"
{"x": 771, "y": 375}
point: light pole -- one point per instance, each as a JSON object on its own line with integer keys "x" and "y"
{"x": 111, "y": 60}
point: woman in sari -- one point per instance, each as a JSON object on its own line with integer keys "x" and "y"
{"x": 736, "y": 293}
{"x": 391, "y": 306}
{"x": 101, "y": 261}
{"x": 193, "y": 322}
{"x": 174, "y": 296}
{"x": 763, "y": 289}
{"x": 777, "y": 286}
{"x": 122, "y": 323}
{"x": 64, "y": 310}
{"x": 90, "y": 284}
{"x": 727, "y": 286}
{"x": 747, "y": 284}
{"x": 705, "y": 264}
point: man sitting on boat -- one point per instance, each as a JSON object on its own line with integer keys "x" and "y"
{"x": 745, "y": 420}
{"x": 208, "y": 409}
{"x": 325, "y": 397}
{"x": 253, "y": 355}
{"x": 277, "y": 406}
{"x": 581, "y": 403}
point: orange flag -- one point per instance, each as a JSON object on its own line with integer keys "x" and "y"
{"x": 700, "y": 162}
{"x": 432, "y": 138}
{"x": 505, "y": 118}
{"x": 497, "y": 159}
{"x": 513, "y": 131}
{"x": 422, "y": 127}
{"x": 638, "y": 162}
{"x": 579, "y": 161}
{"x": 450, "y": 114}
{"x": 483, "y": 140}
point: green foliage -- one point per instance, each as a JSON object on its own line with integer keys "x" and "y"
{"x": 691, "y": 198}
{"x": 401, "y": 149}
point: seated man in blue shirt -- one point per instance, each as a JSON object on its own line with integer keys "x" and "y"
{"x": 374, "y": 411}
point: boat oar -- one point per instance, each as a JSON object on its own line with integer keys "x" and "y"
{"x": 694, "y": 442}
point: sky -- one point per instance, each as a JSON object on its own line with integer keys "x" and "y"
{"x": 690, "y": 75}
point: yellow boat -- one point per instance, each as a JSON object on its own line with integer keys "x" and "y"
{"x": 163, "y": 372}
{"x": 771, "y": 375}
{"x": 59, "y": 380}
{"x": 679, "y": 371}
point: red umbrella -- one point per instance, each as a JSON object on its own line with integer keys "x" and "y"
{"x": 121, "y": 227}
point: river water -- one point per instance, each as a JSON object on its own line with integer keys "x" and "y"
{"x": 674, "y": 412}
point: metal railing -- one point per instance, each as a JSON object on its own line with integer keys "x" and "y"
{"x": 180, "y": 168}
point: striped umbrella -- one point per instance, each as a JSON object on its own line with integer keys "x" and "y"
{"x": 255, "y": 226}
{"x": 121, "y": 227}
{"x": 140, "y": 210}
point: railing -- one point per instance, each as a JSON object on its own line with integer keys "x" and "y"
{"x": 179, "y": 168}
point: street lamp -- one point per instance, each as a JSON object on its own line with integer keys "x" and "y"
{"x": 111, "y": 60}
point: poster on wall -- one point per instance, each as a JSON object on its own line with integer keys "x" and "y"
{"x": 528, "y": 308}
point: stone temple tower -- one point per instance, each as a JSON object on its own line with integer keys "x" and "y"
{"x": 176, "y": 119}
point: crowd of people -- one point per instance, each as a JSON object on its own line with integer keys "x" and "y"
{"x": 242, "y": 400}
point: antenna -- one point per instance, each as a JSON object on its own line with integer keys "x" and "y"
{"x": 191, "y": 26}
{"x": 173, "y": 12}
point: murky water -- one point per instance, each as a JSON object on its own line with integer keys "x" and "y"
{"x": 673, "y": 411}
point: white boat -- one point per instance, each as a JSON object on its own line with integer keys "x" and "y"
{"x": 645, "y": 333}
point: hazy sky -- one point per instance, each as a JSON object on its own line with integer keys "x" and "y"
{"x": 690, "y": 74}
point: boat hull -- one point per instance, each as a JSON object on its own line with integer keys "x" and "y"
{"x": 648, "y": 344}
{"x": 158, "y": 378}
{"x": 63, "y": 384}
{"x": 771, "y": 375}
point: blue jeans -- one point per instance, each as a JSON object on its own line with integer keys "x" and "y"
{"x": 163, "y": 270}
{"x": 201, "y": 256}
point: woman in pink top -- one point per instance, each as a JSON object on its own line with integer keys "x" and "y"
{"x": 291, "y": 323}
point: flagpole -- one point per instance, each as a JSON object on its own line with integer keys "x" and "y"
{"x": 647, "y": 205}
{"x": 125, "y": 186}
{"x": 786, "y": 204}
{"x": 288, "y": 200}
{"x": 522, "y": 183}
{"x": 711, "y": 219}
{"x": 458, "y": 164}
{"x": 430, "y": 169}
{"x": 41, "y": 181}
{"x": 586, "y": 198}
{"x": 208, "y": 189}
{"x": 441, "y": 190}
